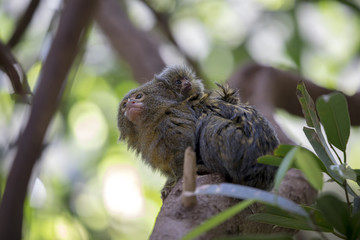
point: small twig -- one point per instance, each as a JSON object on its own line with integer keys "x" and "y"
{"x": 347, "y": 196}
{"x": 15, "y": 73}
{"x": 189, "y": 180}
{"x": 23, "y": 23}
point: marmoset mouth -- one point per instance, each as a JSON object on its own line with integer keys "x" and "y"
{"x": 132, "y": 112}
{"x": 187, "y": 88}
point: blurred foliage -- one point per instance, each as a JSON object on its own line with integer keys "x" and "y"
{"x": 87, "y": 185}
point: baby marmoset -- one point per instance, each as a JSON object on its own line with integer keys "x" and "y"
{"x": 230, "y": 136}
{"x": 158, "y": 128}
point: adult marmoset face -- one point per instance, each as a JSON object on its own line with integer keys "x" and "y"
{"x": 140, "y": 107}
{"x": 181, "y": 80}
{"x": 157, "y": 127}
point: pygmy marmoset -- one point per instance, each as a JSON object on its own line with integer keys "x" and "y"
{"x": 230, "y": 136}
{"x": 161, "y": 118}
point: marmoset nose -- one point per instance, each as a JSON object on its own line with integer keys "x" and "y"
{"x": 187, "y": 83}
{"x": 131, "y": 100}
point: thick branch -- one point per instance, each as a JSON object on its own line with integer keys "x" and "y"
{"x": 76, "y": 16}
{"x": 136, "y": 47}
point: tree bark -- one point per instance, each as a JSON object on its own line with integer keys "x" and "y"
{"x": 175, "y": 220}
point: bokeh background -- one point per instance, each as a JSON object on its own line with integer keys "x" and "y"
{"x": 87, "y": 185}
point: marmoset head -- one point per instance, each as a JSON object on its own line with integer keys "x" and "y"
{"x": 134, "y": 104}
{"x": 181, "y": 80}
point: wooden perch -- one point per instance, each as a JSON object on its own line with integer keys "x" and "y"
{"x": 189, "y": 184}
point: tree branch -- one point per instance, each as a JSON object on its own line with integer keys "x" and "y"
{"x": 280, "y": 90}
{"x": 76, "y": 16}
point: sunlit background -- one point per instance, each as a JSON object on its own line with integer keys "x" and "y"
{"x": 87, "y": 185}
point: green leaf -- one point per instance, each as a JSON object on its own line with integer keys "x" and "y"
{"x": 307, "y": 105}
{"x": 276, "y": 216}
{"x": 355, "y": 226}
{"x": 218, "y": 219}
{"x": 315, "y": 159}
{"x": 319, "y": 219}
{"x": 270, "y": 160}
{"x": 307, "y": 163}
{"x": 335, "y": 211}
{"x": 245, "y": 192}
{"x": 322, "y": 153}
{"x": 277, "y": 160}
{"x": 280, "y": 221}
{"x": 357, "y": 171}
{"x": 334, "y": 116}
{"x": 308, "y": 108}
{"x": 356, "y": 207}
{"x": 284, "y": 167}
{"x": 282, "y": 150}
{"x": 258, "y": 237}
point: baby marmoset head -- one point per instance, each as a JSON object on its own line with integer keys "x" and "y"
{"x": 181, "y": 81}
